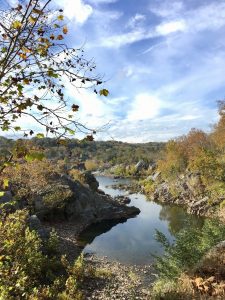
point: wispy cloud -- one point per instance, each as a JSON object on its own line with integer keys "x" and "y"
{"x": 167, "y": 8}
{"x": 136, "y": 20}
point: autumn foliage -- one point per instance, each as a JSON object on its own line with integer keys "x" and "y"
{"x": 197, "y": 152}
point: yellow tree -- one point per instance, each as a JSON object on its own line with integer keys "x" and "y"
{"x": 34, "y": 64}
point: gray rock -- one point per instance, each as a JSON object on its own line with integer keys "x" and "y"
{"x": 7, "y": 197}
{"x": 35, "y": 224}
{"x": 152, "y": 166}
{"x": 141, "y": 165}
{"x": 122, "y": 199}
{"x": 156, "y": 176}
{"x": 77, "y": 202}
{"x": 91, "y": 181}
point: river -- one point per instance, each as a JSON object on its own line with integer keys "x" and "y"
{"x": 133, "y": 242}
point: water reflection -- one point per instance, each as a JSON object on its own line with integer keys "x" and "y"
{"x": 177, "y": 219}
{"x": 133, "y": 241}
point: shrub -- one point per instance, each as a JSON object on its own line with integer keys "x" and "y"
{"x": 31, "y": 269}
{"x": 77, "y": 175}
{"x": 23, "y": 266}
{"x": 148, "y": 185}
{"x": 91, "y": 165}
{"x": 190, "y": 246}
{"x": 183, "y": 258}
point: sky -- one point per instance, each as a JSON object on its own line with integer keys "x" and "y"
{"x": 163, "y": 62}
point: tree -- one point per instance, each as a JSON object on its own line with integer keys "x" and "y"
{"x": 218, "y": 134}
{"x": 35, "y": 63}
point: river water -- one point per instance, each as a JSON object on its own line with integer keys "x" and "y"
{"x": 133, "y": 241}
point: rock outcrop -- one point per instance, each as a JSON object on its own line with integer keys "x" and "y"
{"x": 122, "y": 199}
{"x": 70, "y": 200}
{"x": 188, "y": 191}
{"x": 141, "y": 165}
{"x": 65, "y": 199}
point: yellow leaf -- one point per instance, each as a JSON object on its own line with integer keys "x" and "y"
{"x": 41, "y": 40}
{"x": 65, "y": 30}
{"x": 23, "y": 55}
{"x": 104, "y": 92}
{"x": 32, "y": 19}
{"x": 26, "y": 81}
{"x": 5, "y": 183}
{"x": 16, "y": 25}
{"x": 60, "y": 17}
{"x": 26, "y": 50}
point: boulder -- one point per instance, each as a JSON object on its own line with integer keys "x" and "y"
{"x": 154, "y": 177}
{"x": 70, "y": 200}
{"x": 35, "y": 224}
{"x": 122, "y": 199}
{"x": 141, "y": 165}
{"x": 152, "y": 166}
{"x": 7, "y": 197}
{"x": 198, "y": 207}
{"x": 91, "y": 181}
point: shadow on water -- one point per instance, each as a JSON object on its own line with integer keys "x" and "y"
{"x": 93, "y": 231}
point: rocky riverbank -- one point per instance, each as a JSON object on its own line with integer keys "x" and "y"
{"x": 190, "y": 192}
{"x": 114, "y": 280}
{"x": 187, "y": 191}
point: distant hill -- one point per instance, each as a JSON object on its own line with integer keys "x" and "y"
{"x": 112, "y": 152}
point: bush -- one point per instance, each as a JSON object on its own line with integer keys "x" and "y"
{"x": 77, "y": 175}
{"x": 191, "y": 244}
{"x": 182, "y": 258}
{"x": 91, "y": 165}
{"x": 23, "y": 266}
{"x": 31, "y": 269}
{"x": 148, "y": 185}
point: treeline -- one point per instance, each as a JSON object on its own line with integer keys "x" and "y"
{"x": 97, "y": 153}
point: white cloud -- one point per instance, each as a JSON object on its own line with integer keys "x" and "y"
{"x": 167, "y": 8}
{"x": 119, "y": 40}
{"x": 144, "y": 106}
{"x": 142, "y": 33}
{"x": 12, "y": 3}
{"x": 211, "y": 16}
{"x": 75, "y": 10}
{"x": 136, "y": 20}
{"x": 95, "y": 111}
{"x": 171, "y": 27}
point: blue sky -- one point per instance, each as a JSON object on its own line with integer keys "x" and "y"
{"x": 163, "y": 61}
